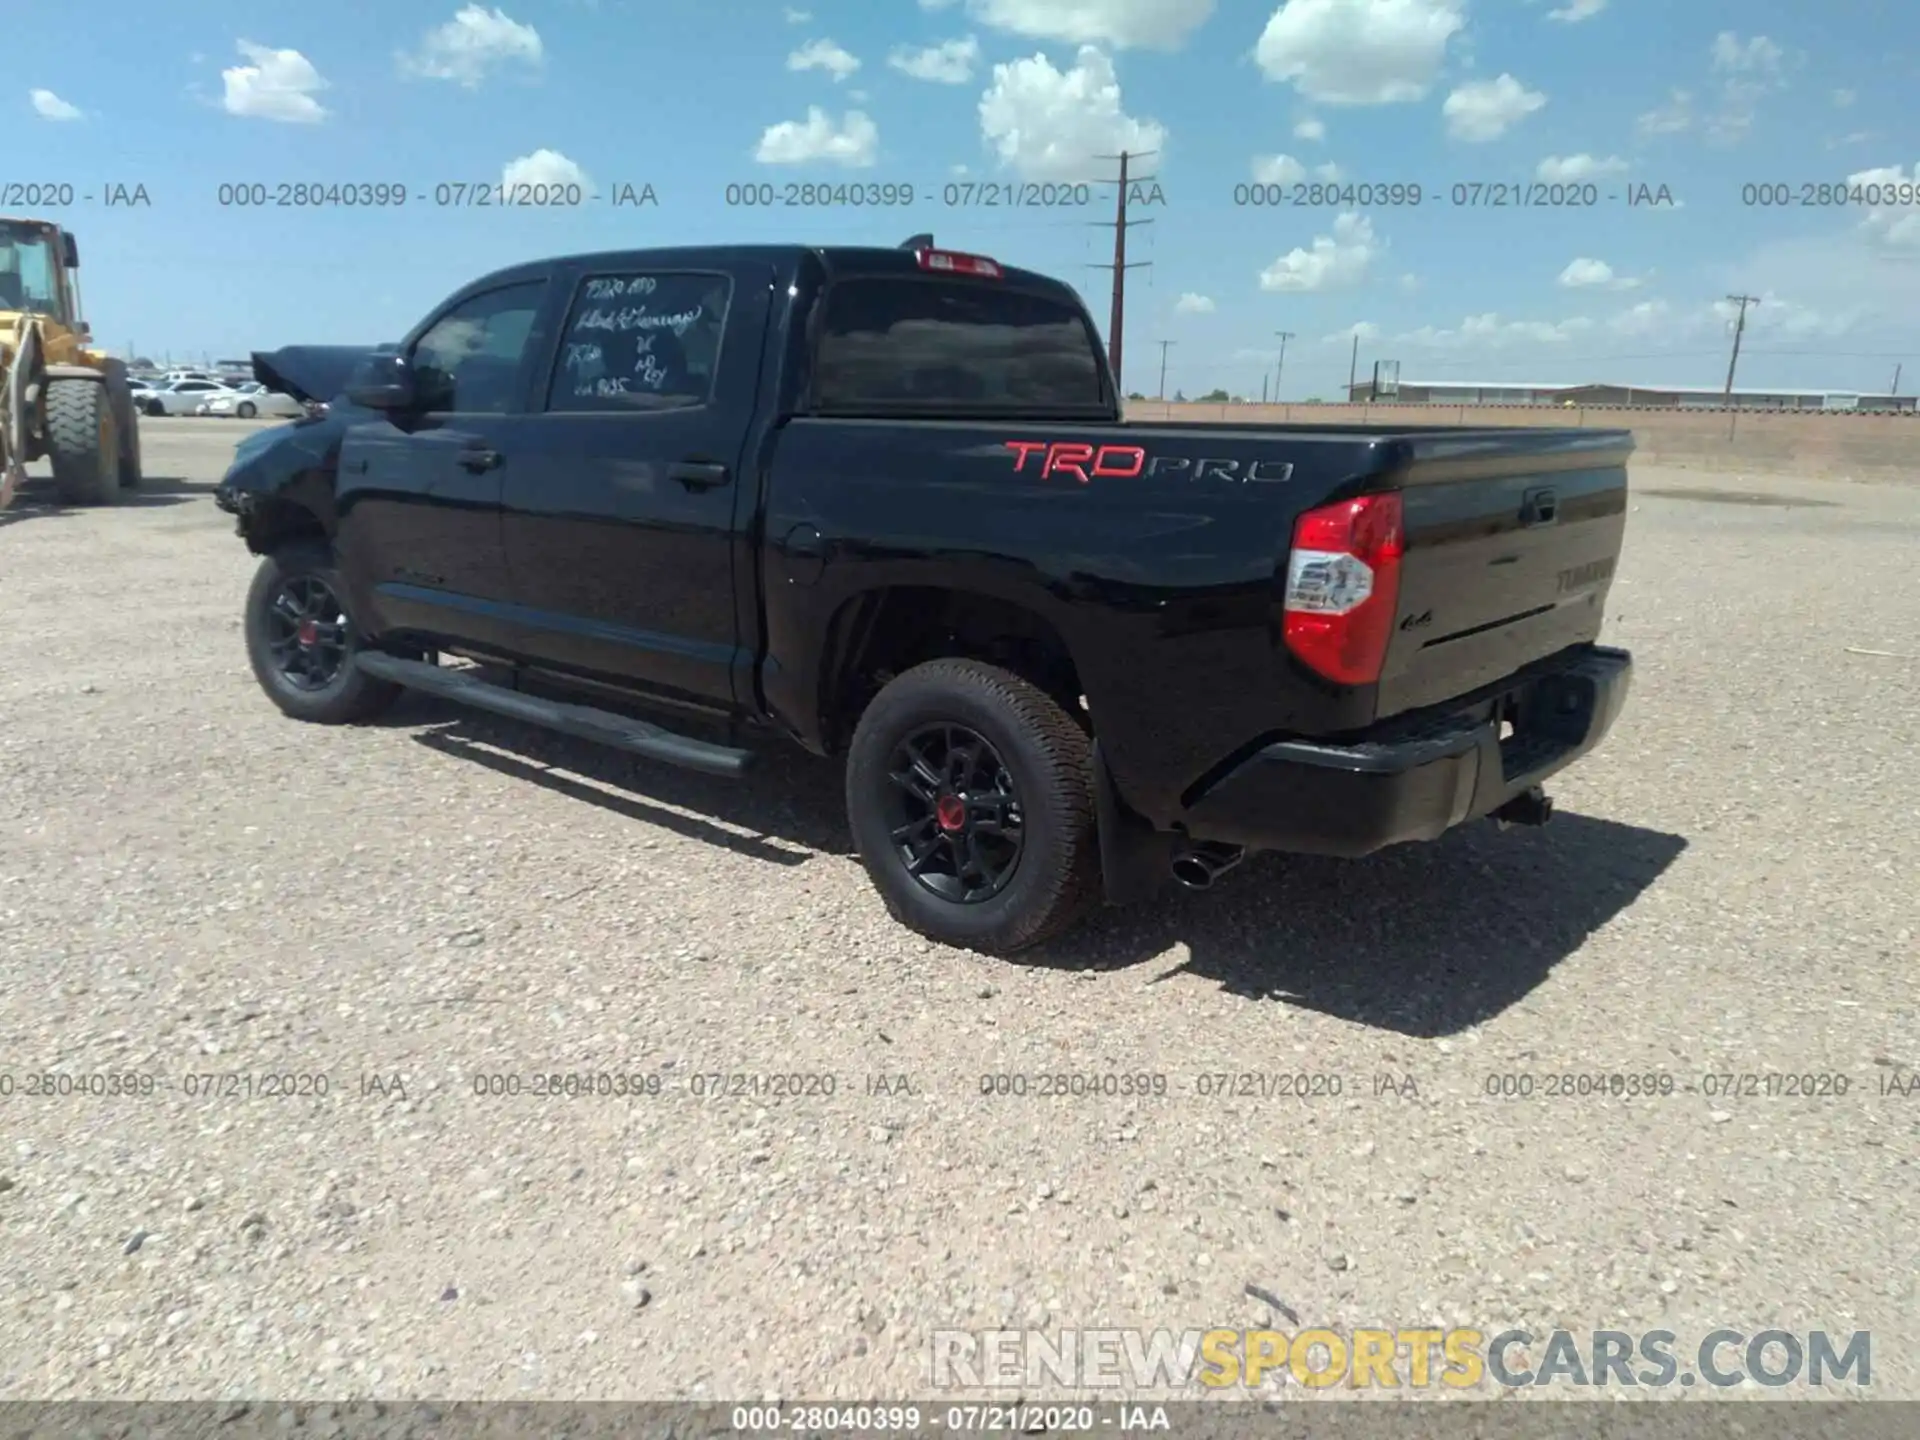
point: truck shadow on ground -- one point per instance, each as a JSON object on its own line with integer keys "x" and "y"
{"x": 1424, "y": 941}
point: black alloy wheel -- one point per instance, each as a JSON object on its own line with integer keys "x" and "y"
{"x": 307, "y": 633}
{"x": 959, "y": 826}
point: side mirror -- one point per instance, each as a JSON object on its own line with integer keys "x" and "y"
{"x": 69, "y": 250}
{"x": 383, "y": 382}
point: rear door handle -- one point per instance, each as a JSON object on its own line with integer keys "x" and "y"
{"x": 698, "y": 475}
{"x": 480, "y": 459}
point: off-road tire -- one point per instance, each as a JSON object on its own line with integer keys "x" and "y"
{"x": 1057, "y": 875}
{"x": 353, "y": 696}
{"x": 126, "y": 419}
{"x": 82, "y": 442}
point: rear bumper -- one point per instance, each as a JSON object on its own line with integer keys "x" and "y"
{"x": 1419, "y": 775}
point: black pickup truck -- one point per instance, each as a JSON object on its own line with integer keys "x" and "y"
{"x": 883, "y": 503}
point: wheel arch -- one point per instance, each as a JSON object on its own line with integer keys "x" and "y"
{"x": 879, "y": 632}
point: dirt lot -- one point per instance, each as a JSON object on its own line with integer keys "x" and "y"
{"x": 193, "y": 886}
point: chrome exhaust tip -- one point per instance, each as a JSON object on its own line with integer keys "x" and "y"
{"x": 1197, "y": 868}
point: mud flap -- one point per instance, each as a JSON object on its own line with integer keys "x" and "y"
{"x": 24, "y": 385}
{"x": 1135, "y": 858}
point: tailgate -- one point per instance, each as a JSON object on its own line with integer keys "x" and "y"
{"x": 1511, "y": 541}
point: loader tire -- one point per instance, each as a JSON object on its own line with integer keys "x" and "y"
{"x": 126, "y": 422}
{"x": 82, "y": 442}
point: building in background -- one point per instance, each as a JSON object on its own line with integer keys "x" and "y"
{"x": 1468, "y": 392}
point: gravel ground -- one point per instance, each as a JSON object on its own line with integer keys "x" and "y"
{"x": 192, "y": 885}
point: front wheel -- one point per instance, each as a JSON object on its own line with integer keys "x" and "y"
{"x": 302, "y": 644}
{"x": 970, "y": 797}
{"x": 83, "y": 442}
{"x": 245, "y": 410}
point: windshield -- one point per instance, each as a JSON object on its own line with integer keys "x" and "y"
{"x": 29, "y": 271}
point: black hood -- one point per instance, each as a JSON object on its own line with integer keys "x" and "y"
{"x": 314, "y": 373}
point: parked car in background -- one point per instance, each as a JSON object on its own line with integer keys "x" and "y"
{"x": 250, "y": 400}
{"x": 179, "y": 397}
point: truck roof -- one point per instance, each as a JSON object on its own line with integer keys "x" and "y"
{"x": 865, "y": 259}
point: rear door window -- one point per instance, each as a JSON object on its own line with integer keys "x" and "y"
{"x": 641, "y": 341}
{"x": 888, "y": 342}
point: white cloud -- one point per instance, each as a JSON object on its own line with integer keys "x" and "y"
{"x": 1050, "y": 124}
{"x": 1409, "y": 283}
{"x": 1565, "y": 169}
{"x": 50, "y": 106}
{"x": 1192, "y": 304}
{"x": 1490, "y": 332}
{"x": 1364, "y": 332}
{"x": 1310, "y": 130}
{"x": 476, "y": 41}
{"x": 1790, "y": 319}
{"x": 1328, "y": 171}
{"x": 1893, "y": 225}
{"x": 544, "y": 167}
{"x": 1844, "y": 98}
{"x": 798, "y": 17}
{"x": 1649, "y": 319}
{"x": 950, "y": 62}
{"x": 1587, "y": 272}
{"x": 1584, "y": 274}
{"x": 1486, "y": 109}
{"x": 1120, "y": 24}
{"x": 1732, "y": 57}
{"x": 1277, "y": 170}
{"x": 1359, "y": 52}
{"x": 823, "y": 55}
{"x": 1574, "y": 11}
{"x": 854, "y": 142}
{"x": 1669, "y": 119}
{"x": 1334, "y": 262}
{"x": 1749, "y": 71}
{"x": 276, "y": 85}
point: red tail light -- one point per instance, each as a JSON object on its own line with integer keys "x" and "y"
{"x": 952, "y": 262}
{"x": 1343, "y": 586}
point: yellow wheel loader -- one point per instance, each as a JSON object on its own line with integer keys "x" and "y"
{"x": 65, "y": 401}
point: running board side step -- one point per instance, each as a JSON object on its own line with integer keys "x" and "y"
{"x": 603, "y": 727}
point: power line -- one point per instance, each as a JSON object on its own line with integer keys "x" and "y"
{"x": 1116, "y": 323}
{"x": 1164, "y": 346}
{"x": 1739, "y": 329}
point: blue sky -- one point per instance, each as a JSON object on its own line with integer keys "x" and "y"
{"x": 690, "y": 98}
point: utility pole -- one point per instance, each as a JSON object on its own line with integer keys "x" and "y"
{"x": 1894, "y": 389}
{"x": 1163, "y": 366}
{"x": 1353, "y": 365}
{"x": 1116, "y": 322}
{"x": 1281, "y": 368}
{"x": 1739, "y": 328}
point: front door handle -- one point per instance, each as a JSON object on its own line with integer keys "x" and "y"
{"x": 480, "y": 459}
{"x": 698, "y": 475}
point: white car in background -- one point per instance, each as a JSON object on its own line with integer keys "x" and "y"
{"x": 250, "y": 400}
{"x": 179, "y": 397}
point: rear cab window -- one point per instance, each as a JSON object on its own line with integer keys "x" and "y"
{"x": 639, "y": 341}
{"x": 914, "y": 343}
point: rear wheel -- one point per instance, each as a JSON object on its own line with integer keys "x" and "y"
{"x": 970, "y": 796}
{"x": 245, "y": 410}
{"x": 83, "y": 442}
{"x": 302, "y": 644}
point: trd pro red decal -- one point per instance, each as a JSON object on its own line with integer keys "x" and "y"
{"x": 1083, "y": 462}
